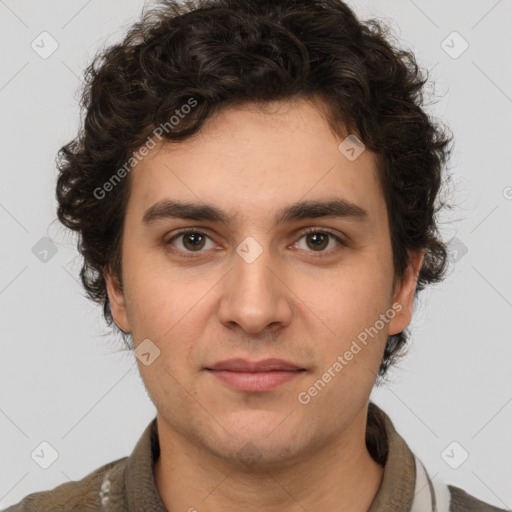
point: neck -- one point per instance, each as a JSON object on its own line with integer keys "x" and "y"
{"x": 338, "y": 475}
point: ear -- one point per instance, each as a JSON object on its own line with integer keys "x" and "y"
{"x": 117, "y": 301}
{"x": 404, "y": 293}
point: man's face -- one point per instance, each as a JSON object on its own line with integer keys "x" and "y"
{"x": 259, "y": 287}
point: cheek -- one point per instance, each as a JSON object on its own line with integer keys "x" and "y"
{"x": 351, "y": 307}
{"x": 154, "y": 297}
{"x": 164, "y": 303}
{"x": 350, "y": 358}
{"x": 350, "y": 298}
{"x": 161, "y": 311}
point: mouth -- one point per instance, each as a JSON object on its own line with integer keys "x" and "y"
{"x": 255, "y": 376}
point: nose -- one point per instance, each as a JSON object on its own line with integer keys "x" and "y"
{"x": 254, "y": 295}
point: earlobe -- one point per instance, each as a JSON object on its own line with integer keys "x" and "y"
{"x": 404, "y": 293}
{"x": 117, "y": 301}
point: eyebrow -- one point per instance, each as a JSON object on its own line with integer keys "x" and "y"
{"x": 338, "y": 207}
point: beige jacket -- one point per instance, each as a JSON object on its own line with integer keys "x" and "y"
{"x": 128, "y": 485}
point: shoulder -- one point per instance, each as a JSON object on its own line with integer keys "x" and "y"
{"x": 83, "y": 495}
{"x": 461, "y": 501}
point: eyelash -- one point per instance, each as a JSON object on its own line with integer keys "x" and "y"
{"x": 325, "y": 231}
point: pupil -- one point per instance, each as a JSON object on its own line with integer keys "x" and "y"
{"x": 194, "y": 236}
{"x": 317, "y": 243}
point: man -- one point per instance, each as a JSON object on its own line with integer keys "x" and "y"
{"x": 255, "y": 193}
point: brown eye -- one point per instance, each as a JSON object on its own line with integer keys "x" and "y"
{"x": 317, "y": 240}
{"x": 191, "y": 241}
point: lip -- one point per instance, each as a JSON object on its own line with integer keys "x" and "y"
{"x": 255, "y": 376}
{"x": 244, "y": 365}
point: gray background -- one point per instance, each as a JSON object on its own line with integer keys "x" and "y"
{"x": 62, "y": 380}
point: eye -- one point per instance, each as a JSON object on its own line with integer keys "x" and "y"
{"x": 318, "y": 239}
{"x": 191, "y": 241}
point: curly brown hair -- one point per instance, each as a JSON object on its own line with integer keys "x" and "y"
{"x": 225, "y": 52}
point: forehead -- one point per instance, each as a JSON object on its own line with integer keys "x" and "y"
{"x": 253, "y": 159}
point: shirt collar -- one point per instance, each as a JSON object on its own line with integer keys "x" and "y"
{"x": 387, "y": 447}
{"x": 141, "y": 491}
{"x": 384, "y": 444}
